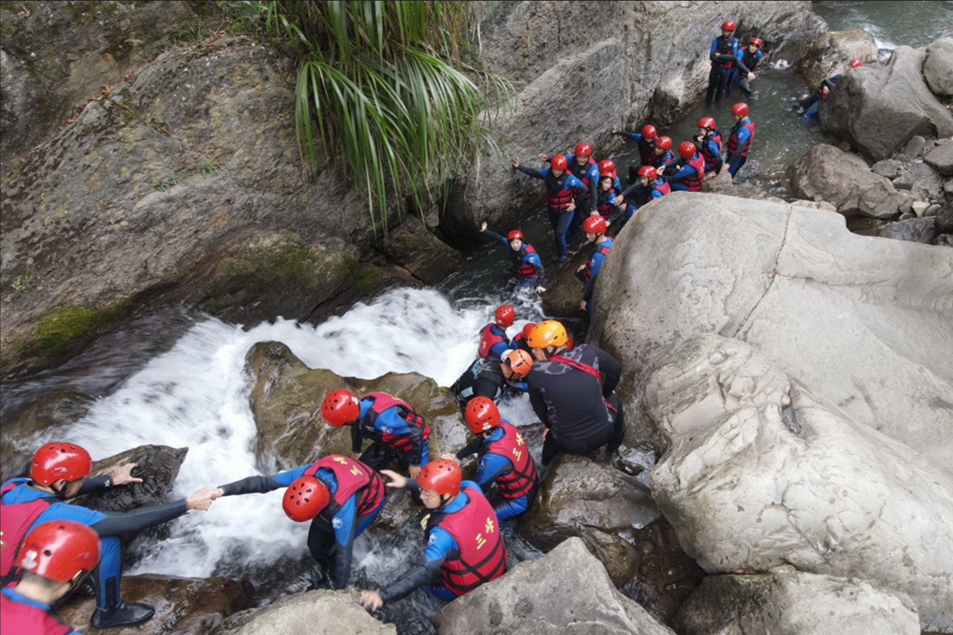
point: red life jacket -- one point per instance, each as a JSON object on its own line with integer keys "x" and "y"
{"x": 15, "y": 521}
{"x": 581, "y": 172}
{"x": 483, "y": 554}
{"x": 646, "y": 150}
{"x": 23, "y": 619}
{"x": 733, "y": 139}
{"x": 558, "y": 196}
{"x": 711, "y": 159}
{"x": 694, "y": 183}
{"x": 607, "y": 202}
{"x": 381, "y": 402}
{"x": 663, "y": 187}
{"x": 601, "y": 248}
{"x": 523, "y": 269}
{"x": 351, "y": 476}
{"x": 726, "y": 46}
{"x": 513, "y": 448}
{"x": 489, "y": 339}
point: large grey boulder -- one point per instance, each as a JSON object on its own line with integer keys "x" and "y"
{"x": 864, "y": 322}
{"x": 311, "y": 613}
{"x": 833, "y": 50}
{"x": 761, "y": 473}
{"x": 795, "y": 604}
{"x": 566, "y": 591}
{"x": 918, "y": 230}
{"x": 829, "y": 174}
{"x": 878, "y": 109}
{"x": 941, "y": 158}
{"x": 938, "y": 67}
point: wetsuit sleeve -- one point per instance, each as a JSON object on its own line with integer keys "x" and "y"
{"x": 539, "y": 406}
{"x": 713, "y": 52}
{"x": 740, "y": 62}
{"x": 440, "y": 547}
{"x": 629, "y": 191}
{"x": 713, "y": 150}
{"x": 136, "y": 520}
{"x": 252, "y": 485}
{"x": 399, "y": 426}
{"x": 536, "y": 174}
{"x": 497, "y": 237}
{"x": 356, "y": 439}
{"x": 470, "y": 448}
{"x": 743, "y": 135}
{"x": 344, "y": 524}
{"x": 685, "y": 171}
{"x": 95, "y": 484}
{"x": 635, "y": 136}
{"x": 491, "y": 467}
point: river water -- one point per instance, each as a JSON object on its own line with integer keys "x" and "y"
{"x": 180, "y": 380}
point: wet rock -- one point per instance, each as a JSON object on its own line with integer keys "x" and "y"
{"x": 748, "y": 271}
{"x": 938, "y": 67}
{"x": 795, "y": 604}
{"x": 931, "y": 211}
{"x": 944, "y": 219}
{"x": 918, "y": 230}
{"x": 878, "y": 109}
{"x": 904, "y": 181}
{"x": 427, "y": 258}
{"x": 314, "y": 612}
{"x": 158, "y": 467}
{"x": 833, "y": 50}
{"x": 183, "y": 606}
{"x": 927, "y": 182}
{"x": 566, "y": 591}
{"x": 888, "y": 168}
{"x": 915, "y": 146}
{"x": 758, "y": 481}
{"x": 941, "y": 158}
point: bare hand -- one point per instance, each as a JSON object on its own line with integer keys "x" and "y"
{"x": 615, "y": 129}
{"x": 414, "y": 471}
{"x": 450, "y": 457}
{"x": 483, "y": 227}
{"x": 219, "y": 492}
{"x": 582, "y": 305}
{"x": 397, "y": 481}
{"x": 356, "y": 456}
{"x": 541, "y": 289}
{"x": 516, "y": 162}
{"x": 750, "y": 77}
{"x": 619, "y": 199}
{"x": 572, "y": 206}
{"x": 544, "y": 158}
{"x": 371, "y": 600}
{"x": 581, "y": 267}
{"x": 122, "y": 475}
{"x": 202, "y": 499}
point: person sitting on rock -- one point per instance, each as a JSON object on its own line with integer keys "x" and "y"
{"x": 739, "y": 139}
{"x": 689, "y": 173}
{"x": 493, "y": 340}
{"x": 464, "y": 543}
{"x": 54, "y": 559}
{"x": 340, "y": 496}
{"x": 504, "y": 458}
{"x": 595, "y": 228}
{"x": 562, "y": 189}
{"x": 710, "y": 144}
{"x": 572, "y": 394}
{"x": 396, "y": 430}
{"x": 58, "y": 473}
{"x": 649, "y": 187}
{"x": 812, "y": 103}
{"x": 491, "y": 377}
{"x": 527, "y": 265}
{"x": 645, "y": 141}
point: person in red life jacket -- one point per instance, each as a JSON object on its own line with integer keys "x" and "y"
{"x": 812, "y": 104}
{"x": 464, "y": 545}
{"x": 746, "y": 61}
{"x": 583, "y": 167}
{"x": 58, "y": 473}
{"x": 396, "y": 430}
{"x": 723, "y": 55}
{"x": 572, "y": 394}
{"x": 648, "y": 188}
{"x": 739, "y": 139}
{"x": 645, "y": 141}
{"x": 527, "y": 265}
{"x": 595, "y": 228}
{"x": 54, "y": 559}
{"x": 609, "y": 197}
{"x": 562, "y": 189}
{"x": 691, "y": 174}
{"x": 520, "y": 340}
{"x": 663, "y": 153}
{"x": 504, "y": 458}
{"x": 340, "y": 496}
{"x": 709, "y": 142}
{"x": 493, "y": 340}
{"x": 493, "y": 378}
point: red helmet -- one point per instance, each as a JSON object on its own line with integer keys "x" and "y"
{"x": 441, "y": 477}
{"x": 305, "y": 499}
{"x": 559, "y": 162}
{"x": 728, "y": 25}
{"x": 528, "y": 329}
{"x": 687, "y": 149}
{"x": 607, "y": 168}
{"x": 649, "y": 132}
{"x": 583, "y": 150}
{"x": 505, "y": 315}
{"x": 59, "y": 550}
{"x": 594, "y": 225}
{"x": 340, "y": 407}
{"x": 519, "y": 360}
{"x": 756, "y": 41}
{"x": 482, "y": 414}
{"x": 55, "y": 461}
{"x": 664, "y": 142}
{"x": 856, "y": 63}
{"x": 515, "y": 235}
{"x": 739, "y": 110}
{"x": 707, "y": 122}
{"x": 649, "y": 172}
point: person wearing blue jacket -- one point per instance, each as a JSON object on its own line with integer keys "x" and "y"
{"x": 723, "y": 55}
{"x": 562, "y": 190}
{"x": 747, "y": 60}
{"x": 739, "y": 139}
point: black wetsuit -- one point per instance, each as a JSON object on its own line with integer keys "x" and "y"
{"x": 484, "y": 378}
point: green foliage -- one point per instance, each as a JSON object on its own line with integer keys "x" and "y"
{"x": 163, "y": 185}
{"x": 65, "y": 329}
{"x": 390, "y": 86}
{"x": 22, "y": 283}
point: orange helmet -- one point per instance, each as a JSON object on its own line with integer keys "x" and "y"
{"x": 707, "y": 122}
{"x": 60, "y": 461}
{"x": 583, "y": 150}
{"x": 649, "y": 132}
{"x": 305, "y": 499}
{"x": 515, "y": 235}
{"x": 594, "y": 225}
{"x": 482, "y": 414}
{"x": 739, "y": 110}
{"x": 59, "y": 550}
{"x": 519, "y": 360}
{"x": 341, "y": 407}
{"x": 649, "y": 172}
{"x": 441, "y": 477}
{"x": 687, "y": 149}
{"x": 664, "y": 142}
{"x": 505, "y": 316}
{"x": 559, "y": 162}
{"x": 548, "y": 333}
{"x": 607, "y": 168}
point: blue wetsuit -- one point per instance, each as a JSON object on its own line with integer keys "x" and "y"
{"x": 593, "y": 266}
{"x": 389, "y": 422}
{"x": 523, "y": 261}
{"x": 738, "y": 144}
{"x": 560, "y": 218}
{"x": 745, "y": 63}
{"x": 723, "y": 55}
{"x": 493, "y": 466}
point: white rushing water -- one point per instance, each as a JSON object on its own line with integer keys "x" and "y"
{"x": 197, "y": 396}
